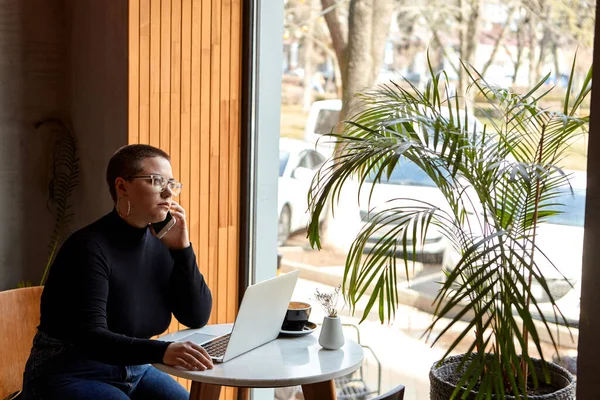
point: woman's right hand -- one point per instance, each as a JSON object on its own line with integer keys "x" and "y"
{"x": 187, "y": 355}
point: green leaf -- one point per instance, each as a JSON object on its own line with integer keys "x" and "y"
{"x": 500, "y": 183}
{"x": 64, "y": 179}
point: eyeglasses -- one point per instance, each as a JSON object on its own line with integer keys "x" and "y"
{"x": 160, "y": 183}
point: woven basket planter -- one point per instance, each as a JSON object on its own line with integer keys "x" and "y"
{"x": 441, "y": 388}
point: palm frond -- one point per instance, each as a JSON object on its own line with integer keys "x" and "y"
{"x": 500, "y": 180}
{"x": 63, "y": 181}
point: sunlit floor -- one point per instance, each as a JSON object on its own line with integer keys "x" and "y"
{"x": 404, "y": 356}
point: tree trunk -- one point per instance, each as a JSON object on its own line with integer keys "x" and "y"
{"x": 338, "y": 40}
{"x": 556, "y": 61}
{"x": 542, "y": 53}
{"x": 469, "y": 23}
{"x": 498, "y": 41}
{"x": 544, "y": 14}
{"x": 368, "y": 28}
{"x": 437, "y": 52}
{"x": 308, "y": 56}
{"x": 357, "y": 71}
{"x": 517, "y": 61}
{"x": 338, "y": 77}
{"x": 532, "y": 50}
{"x": 472, "y": 30}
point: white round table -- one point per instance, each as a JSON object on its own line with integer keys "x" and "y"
{"x": 286, "y": 361}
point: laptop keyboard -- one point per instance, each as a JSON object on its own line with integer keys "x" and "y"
{"x": 216, "y": 348}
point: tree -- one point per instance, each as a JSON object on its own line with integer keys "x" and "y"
{"x": 361, "y": 54}
{"x": 498, "y": 40}
{"x": 458, "y": 22}
{"x": 303, "y": 23}
{"x": 558, "y": 25}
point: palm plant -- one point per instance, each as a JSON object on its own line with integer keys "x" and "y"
{"x": 64, "y": 179}
{"x": 500, "y": 181}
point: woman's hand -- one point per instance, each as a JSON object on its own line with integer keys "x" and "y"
{"x": 187, "y": 355}
{"x": 177, "y": 237}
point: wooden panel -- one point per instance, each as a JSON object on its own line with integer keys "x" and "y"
{"x": 194, "y": 187}
{"x": 205, "y": 137}
{"x": 224, "y": 187}
{"x": 235, "y": 74}
{"x": 169, "y": 90}
{"x": 19, "y": 318}
{"x": 144, "y": 75}
{"x": 175, "y": 150}
{"x": 215, "y": 102}
{"x": 165, "y": 76}
{"x": 184, "y": 94}
{"x": 155, "y": 72}
{"x": 186, "y": 108}
{"x": 134, "y": 71}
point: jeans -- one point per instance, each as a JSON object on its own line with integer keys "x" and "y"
{"x": 70, "y": 376}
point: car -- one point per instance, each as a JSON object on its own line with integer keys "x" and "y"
{"x": 299, "y": 161}
{"x": 323, "y": 116}
{"x": 560, "y": 239}
{"x": 407, "y": 181}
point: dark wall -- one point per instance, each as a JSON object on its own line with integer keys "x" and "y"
{"x": 65, "y": 59}
{"x": 32, "y": 86}
{"x": 98, "y": 90}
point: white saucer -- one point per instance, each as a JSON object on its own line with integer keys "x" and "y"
{"x": 308, "y": 328}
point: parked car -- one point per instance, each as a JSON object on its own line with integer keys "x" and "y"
{"x": 323, "y": 116}
{"x": 560, "y": 239}
{"x": 298, "y": 163}
{"x": 406, "y": 181}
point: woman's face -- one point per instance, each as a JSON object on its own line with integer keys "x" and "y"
{"x": 147, "y": 206}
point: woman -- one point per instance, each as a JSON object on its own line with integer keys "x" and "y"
{"x": 114, "y": 285}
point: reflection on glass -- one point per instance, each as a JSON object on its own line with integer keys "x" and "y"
{"x": 405, "y": 173}
{"x": 284, "y": 156}
{"x": 573, "y": 208}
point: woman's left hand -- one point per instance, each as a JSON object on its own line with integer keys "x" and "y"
{"x": 177, "y": 238}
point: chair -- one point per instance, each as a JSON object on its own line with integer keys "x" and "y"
{"x": 394, "y": 394}
{"x": 353, "y": 386}
{"x": 19, "y": 318}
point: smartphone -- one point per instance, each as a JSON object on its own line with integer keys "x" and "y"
{"x": 161, "y": 228}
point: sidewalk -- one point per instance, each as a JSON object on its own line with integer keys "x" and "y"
{"x": 404, "y": 355}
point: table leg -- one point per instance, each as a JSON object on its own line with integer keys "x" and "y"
{"x": 205, "y": 391}
{"x": 243, "y": 393}
{"x": 319, "y": 391}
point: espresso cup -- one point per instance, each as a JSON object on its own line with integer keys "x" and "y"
{"x": 296, "y": 316}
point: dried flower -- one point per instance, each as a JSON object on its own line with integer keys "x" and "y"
{"x": 328, "y": 301}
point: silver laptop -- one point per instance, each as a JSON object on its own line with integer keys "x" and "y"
{"x": 258, "y": 320}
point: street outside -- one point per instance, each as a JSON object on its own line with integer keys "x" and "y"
{"x": 405, "y": 357}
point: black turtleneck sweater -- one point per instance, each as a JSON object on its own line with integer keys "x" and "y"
{"x": 113, "y": 286}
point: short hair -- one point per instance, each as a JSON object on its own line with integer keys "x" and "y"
{"x": 127, "y": 162}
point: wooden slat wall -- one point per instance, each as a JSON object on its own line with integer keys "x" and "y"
{"x": 184, "y": 93}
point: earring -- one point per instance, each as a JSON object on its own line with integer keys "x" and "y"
{"x": 128, "y": 206}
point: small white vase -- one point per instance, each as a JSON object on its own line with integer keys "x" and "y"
{"x": 332, "y": 336}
